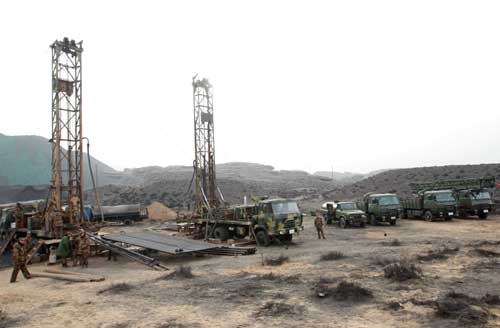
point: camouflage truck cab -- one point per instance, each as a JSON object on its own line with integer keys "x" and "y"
{"x": 277, "y": 219}
{"x": 381, "y": 208}
{"x": 475, "y": 202}
{"x": 430, "y": 205}
{"x": 265, "y": 221}
{"x": 345, "y": 214}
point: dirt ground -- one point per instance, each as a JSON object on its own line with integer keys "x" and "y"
{"x": 242, "y": 292}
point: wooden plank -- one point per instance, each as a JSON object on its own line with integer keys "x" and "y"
{"x": 64, "y": 277}
{"x": 76, "y": 274}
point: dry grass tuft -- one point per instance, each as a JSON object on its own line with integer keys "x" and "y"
{"x": 276, "y": 261}
{"x": 438, "y": 254}
{"x": 118, "y": 288}
{"x": 276, "y": 309}
{"x": 466, "y": 309}
{"x": 402, "y": 271}
{"x": 394, "y": 242}
{"x": 332, "y": 256}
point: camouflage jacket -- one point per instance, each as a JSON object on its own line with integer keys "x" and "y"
{"x": 19, "y": 254}
{"x": 318, "y": 222}
{"x": 84, "y": 246}
{"x": 18, "y": 214}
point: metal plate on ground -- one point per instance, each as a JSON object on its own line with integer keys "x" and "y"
{"x": 161, "y": 242}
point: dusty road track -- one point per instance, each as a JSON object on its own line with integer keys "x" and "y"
{"x": 241, "y": 292}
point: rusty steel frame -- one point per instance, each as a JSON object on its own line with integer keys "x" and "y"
{"x": 204, "y": 143}
{"x": 67, "y": 145}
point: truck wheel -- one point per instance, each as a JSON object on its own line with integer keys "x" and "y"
{"x": 428, "y": 216}
{"x": 221, "y": 233}
{"x": 203, "y": 231}
{"x": 483, "y": 216}
{"x": 262, "y": 238}
{"x": 127, "y": 222}
{"x": 342, "y": 222}
{"x": 362, "y": 224}
{"x": 287, "y": 238}
{"x": 393, "y": 222}
{"x": 373, "y": 220}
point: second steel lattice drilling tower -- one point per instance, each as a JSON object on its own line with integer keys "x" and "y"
{"x": 204, "y": 142}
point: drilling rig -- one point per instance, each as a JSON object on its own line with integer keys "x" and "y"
{"x": 208, "y": 196}
{"x": 264, "y": 221}
{"x": 65, "y": 202}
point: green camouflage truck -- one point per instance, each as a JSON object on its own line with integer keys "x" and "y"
{"x": 266, "y": 220}
{"x": 472, "y": 195}
{"x": 345, "y": 214}
{"x": 475, "y": 202}
{"x": 430, "y": 205}
{"x": 380, "y": 208}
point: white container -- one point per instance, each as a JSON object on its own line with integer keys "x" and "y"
{"x": 52, "y": 256}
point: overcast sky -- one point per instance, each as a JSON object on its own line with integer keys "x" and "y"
{"x": 353, "y": 85}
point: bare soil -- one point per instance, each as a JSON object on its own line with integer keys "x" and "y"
{"x": 454, "y": 290}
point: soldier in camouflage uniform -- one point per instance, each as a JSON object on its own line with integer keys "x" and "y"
{"x": 19, "y": 261}
{"x": 319, "y": 223}
{"x": 84, "y": 249}
{"x": 19, "y": 216}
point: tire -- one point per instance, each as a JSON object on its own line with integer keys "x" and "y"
{"x": 373, "y": 220}
{"x": 483, "y": 216}
{"x": 203, "y": 231}
{"x": 221, "y": 233}
{"x": 240, "y": 232}
{"x": 428, "y": 216}
{"x": 286, "y": 238}
{"x": 393, "y": 222}
{"x": 262, "y": 238}
{"x": 342, "y": 222}
{"x": 127, "y": 222}
{"x": 362, "y": 225}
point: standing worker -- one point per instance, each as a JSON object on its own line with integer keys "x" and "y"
{"x": 319, "y": 222}
{"x": 84, "y": 249}
{"x": 19, "y": 216}
{"x": 64, "y": 249}
{"x": 19, "y": 260}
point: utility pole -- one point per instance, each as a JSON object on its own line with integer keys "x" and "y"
{"x": 204, "y": 143}
{"x": 67, "y": 151}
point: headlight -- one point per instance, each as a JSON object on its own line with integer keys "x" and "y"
{"x": 363, "y": 216}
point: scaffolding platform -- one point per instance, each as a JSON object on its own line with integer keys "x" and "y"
{"x": 176, "y": 245}
{"x": 161, "y": 242}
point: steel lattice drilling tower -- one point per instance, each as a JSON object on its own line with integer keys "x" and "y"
{"x": 67, "y": 164}
{"x": 204, "y": 143}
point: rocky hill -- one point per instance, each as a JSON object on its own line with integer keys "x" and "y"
{"x": 345, "y": 178}
{"x": 398, "y": 180}
{"x": 171, "y": 185}
{"x": 26, "y": 160}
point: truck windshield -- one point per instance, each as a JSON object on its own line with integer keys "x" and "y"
{"x": 445, "y": 197}
{"x": 481, "y": 195}
{"x": 346, "y": 206}
{"x": 286, "y": 207}
{"x": 388, "y": 200}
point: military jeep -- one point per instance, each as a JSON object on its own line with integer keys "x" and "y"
{"x": 344, "y": 214}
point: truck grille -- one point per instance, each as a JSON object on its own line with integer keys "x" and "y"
{"x": 289, "y": 224}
